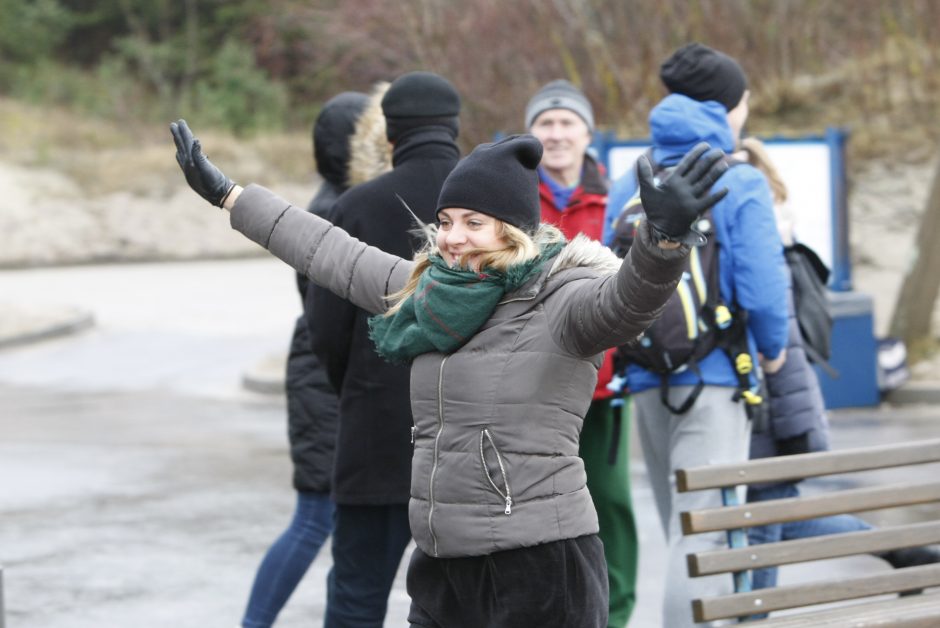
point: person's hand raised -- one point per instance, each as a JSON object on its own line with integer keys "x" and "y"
{"x": 201, "y": 175}
{"x": 677, "y": 202}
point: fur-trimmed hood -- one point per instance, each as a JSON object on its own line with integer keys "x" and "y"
{"x": 580, "y": 258}
{"x": 583, "y": 252}
{"x": 370, "y": 151}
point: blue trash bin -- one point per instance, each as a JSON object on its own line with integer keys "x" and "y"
{"x": 854, "y": 353}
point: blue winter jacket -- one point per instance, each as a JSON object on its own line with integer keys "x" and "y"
{"x": 751, "y": 264}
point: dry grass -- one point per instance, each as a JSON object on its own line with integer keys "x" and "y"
{"x": 103, "y": 157}
{"x": 887, "y": 99}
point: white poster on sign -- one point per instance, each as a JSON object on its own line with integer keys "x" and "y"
{"x": 804, "y": 167}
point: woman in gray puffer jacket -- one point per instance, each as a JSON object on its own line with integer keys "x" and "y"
{"x": 505, "y": 325}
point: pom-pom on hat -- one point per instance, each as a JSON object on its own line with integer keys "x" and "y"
{"x": 559, "y": 94}
{"x": 420, "y": 99}
{"x": 701, "y": 73}
{"x": 498, "y": 179}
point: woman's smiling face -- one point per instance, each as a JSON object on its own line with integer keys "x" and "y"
{"x": 462, "y": 230}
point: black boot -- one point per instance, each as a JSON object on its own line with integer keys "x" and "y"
{"x": 911, "y": 557}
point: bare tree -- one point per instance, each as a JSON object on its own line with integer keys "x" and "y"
{"x": 913, "y": 312}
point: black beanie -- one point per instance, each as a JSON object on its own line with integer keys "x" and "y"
{"x": 420, "y": 99}
{"x": 702, "y": 73}
{"x": 498, "y": 179}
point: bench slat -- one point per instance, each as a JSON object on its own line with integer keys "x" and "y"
{"x": 766, "y": 600}
{"x": 799, "y": 508}
{"x": 808, "y": 465}
{"x": 915, "y": 611}
{"x": 802, "y": 550}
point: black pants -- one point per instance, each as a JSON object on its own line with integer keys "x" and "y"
{"x": 561, "y": 584}
{"x": 368, "y": 543}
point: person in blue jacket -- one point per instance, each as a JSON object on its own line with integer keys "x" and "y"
{"x": 708, "y": 102}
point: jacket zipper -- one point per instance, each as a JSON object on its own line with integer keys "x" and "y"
{"x": 507, "y": 496}
{"x": 440, "y": 428}
{"x": 526, "y": 298}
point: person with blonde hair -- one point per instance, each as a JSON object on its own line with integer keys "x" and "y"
{"x": 798, "y": 422}
{"x": 504, "y": 324}
{"x": 752, "y": 150}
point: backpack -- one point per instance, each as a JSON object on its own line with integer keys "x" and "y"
{"x": 694, "y": 320}
{"x": 809, "y": 276}
{"x": 685, "y": 331}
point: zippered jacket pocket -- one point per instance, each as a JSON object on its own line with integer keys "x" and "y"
{"x": 500, "y": 484}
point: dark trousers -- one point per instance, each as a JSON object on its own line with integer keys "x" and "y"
{"x": 561, "y": 584}
{"x": 368, "y": 543}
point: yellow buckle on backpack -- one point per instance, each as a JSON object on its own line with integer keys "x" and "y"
{"x": 743, "y": 363}
{"x": 722, "y": 316}
{"x": 752, "y": 398}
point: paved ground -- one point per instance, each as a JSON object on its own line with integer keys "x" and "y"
{"x": 140, "y": 482}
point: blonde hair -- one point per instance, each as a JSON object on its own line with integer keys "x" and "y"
{"x": 520, "y": 247}
{"x": 758, "y": 157}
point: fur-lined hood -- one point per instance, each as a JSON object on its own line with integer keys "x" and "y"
{"x": 583, "y": 252}
{"x": 370, "y": 150}
{"x": 583, "y": 256}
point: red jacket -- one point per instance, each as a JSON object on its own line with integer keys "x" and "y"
{"x": 583, "y": 214}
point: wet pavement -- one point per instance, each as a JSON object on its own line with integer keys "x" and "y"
{"x": 141, "y": 483}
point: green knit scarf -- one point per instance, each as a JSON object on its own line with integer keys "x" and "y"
{"x": 448, "y": 307}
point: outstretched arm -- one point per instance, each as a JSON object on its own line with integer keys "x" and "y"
{"x": 588, "y": 316}
{"x": 327, "y": 255}
{"x": 591, "y": 315}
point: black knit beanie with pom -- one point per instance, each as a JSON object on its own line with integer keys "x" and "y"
{"x": 498, "y": 179}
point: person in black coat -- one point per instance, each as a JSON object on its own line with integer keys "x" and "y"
{"x": 372, "y": 469}
{"x": 798, "y": 423}
{"x": 311, "y": 401}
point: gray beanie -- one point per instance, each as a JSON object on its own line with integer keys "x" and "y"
{"x": 559, "y": 94}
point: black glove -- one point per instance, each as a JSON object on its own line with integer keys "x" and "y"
{"x": 677, "y": 202}
{"x": 792, "y": 446}
{"x": 207, "y": 180}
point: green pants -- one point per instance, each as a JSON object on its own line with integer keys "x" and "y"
{"x": 610, "y": 489}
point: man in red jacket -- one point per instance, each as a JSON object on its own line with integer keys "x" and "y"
{"x": 573, "y": 193}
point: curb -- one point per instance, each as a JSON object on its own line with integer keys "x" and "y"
{"x": 915, "y": 392}
{"x": 71, "y": 323}
{"x": 267, "y": 377}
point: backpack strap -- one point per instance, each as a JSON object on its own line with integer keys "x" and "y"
{"x": 820, "y": 361}
{"x": 686, "y": 405}
{"x": 616, "y": 412}
{"x": 732, "y": 340}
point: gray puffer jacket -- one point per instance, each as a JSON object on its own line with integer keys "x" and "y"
{"x": 497, "y": 422}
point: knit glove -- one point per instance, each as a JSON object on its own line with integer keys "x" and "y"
{"x": 201, "y": 175}
{"x": 676, "y": 203}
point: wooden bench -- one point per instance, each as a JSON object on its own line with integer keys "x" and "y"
{"x": 737, "y": 559}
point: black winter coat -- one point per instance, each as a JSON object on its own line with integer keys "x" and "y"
{"x": 798, "y": 422}
{"x": 312, "y": 406}
{"x": 373, "y": 447}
